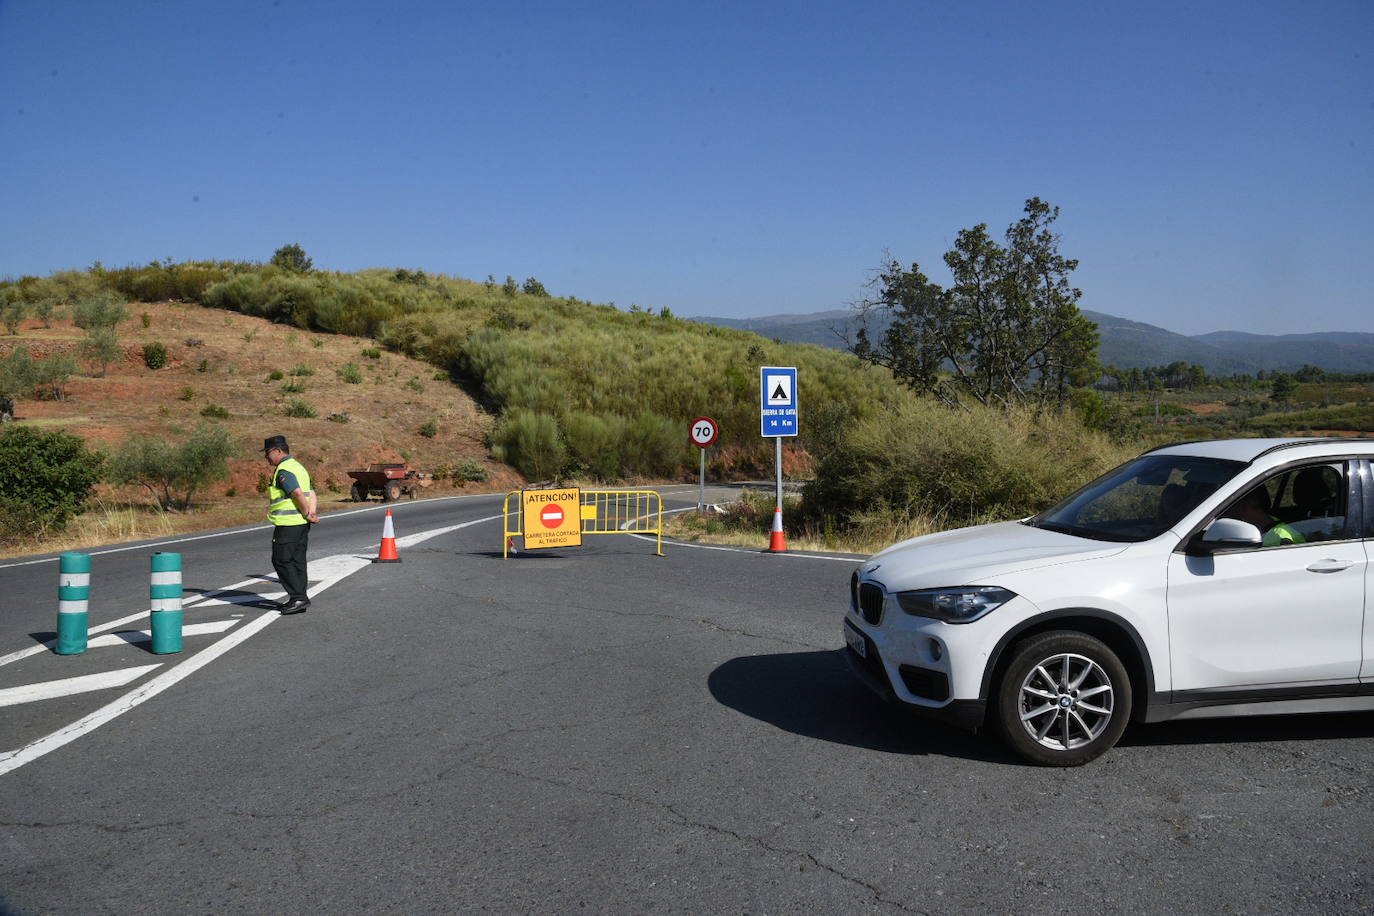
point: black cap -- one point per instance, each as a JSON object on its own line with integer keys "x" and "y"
{"x": 272, "y": 442}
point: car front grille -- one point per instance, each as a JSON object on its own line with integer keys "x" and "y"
{"x": 870, "y": 602}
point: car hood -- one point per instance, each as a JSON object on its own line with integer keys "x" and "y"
{"x": 978, "y": 556}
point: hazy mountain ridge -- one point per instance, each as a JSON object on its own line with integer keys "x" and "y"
{"x": 1126, "y": 343}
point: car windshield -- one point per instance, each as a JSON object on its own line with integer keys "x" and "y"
{"x": 1139, "y": 500}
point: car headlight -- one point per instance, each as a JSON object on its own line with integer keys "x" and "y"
{"x": 954, "y": 605}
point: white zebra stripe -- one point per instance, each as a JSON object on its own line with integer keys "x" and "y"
{"x": 74, "y": 580}
{"x": 77, "y": 606}
{"x": 172, "y": 577}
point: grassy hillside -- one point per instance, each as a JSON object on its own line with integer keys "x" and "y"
{"x": 603, "y": 380}
{"x": 401, "y": 363}
{"x": 246, "y": 374}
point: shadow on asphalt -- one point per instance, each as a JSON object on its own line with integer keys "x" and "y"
{"x": 231, "y": 596}
{"x": 48, "y": 636}
{"x": 815, "y": 695}
{"x": 1252, "y": 729}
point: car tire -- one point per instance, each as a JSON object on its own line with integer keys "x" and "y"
{"x": 1063, "y": 700}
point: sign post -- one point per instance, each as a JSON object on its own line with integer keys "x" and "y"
{"x": 703, "y": 432}
{"x": 777, "y": 418}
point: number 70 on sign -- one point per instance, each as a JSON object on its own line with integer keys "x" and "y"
{"x": 704, "y": 431}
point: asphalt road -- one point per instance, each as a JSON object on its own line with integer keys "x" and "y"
{"x": 600, "y": 730}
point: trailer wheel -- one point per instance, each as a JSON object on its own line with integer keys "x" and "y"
{"x": 359, "y": 493}
{"x": 393, "y": 492}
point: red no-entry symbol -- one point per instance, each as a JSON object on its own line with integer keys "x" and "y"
{"x": 551, "y": 515}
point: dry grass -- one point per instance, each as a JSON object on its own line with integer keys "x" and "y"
{"x": 864, "y": 539}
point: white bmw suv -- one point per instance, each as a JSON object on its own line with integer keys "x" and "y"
{"x": 1204, "y": 579}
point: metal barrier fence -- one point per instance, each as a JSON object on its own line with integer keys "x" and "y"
{"x": 602, "y": 511}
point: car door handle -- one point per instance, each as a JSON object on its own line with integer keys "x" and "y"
{"x": 1330, "y": 566}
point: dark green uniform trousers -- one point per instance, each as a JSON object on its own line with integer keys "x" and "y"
{"x": 289, "y": 543}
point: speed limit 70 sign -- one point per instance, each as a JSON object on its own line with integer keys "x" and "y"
{"x": 704, "y": 431}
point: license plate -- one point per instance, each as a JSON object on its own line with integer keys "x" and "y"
{"x": 856, "y": 642}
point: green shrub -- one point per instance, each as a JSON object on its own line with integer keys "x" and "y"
{"x": 301, "y": 370}
{"x": 1346, "y": 417}
{"x": 46, "y": 478}
{"x": 957, "y": 467}
{"x": 295, "y": 386}
{"x": 594, "y": 445}
{"x": 350, "y": 373}
{"x": 430, "y": 428}
{"x": 187, "y": 394}
{"x": 372, "y": 353}
{"x": 214, "y": 412}
{"x": 530, "y": 443}
{"x": 147, "y": 320}
{"x": 155, "y": 354}
{"x": 469, "y": 470}
{"x": 276, "y": 375}
{"x": 654, "y": 446}
{"x": 299, "y": 408}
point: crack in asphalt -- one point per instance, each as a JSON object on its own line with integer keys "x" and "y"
{"x": 685, "y": 821}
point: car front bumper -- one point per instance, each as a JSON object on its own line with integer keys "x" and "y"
{"x": 870, "y": 668}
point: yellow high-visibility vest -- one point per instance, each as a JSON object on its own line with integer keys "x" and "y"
{"x": 280, "y": 509}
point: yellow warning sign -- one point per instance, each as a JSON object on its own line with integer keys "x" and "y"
{"x": 553, "y": 518}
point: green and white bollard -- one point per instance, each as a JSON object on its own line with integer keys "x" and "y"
{"x": 73, "y": 592}
{"x": 166, "y": 594}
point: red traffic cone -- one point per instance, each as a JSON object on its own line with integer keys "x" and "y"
{"x": 388, "y": 553}
{"x": 777, "y": 542}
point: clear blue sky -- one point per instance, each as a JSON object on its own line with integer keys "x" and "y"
{"x": 1214, "y": 161}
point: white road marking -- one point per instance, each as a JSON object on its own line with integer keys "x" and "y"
{"x": 195, "y": 602}
{"x": 12, "y": 696}
{"x": 125, "y": 637}
{"x": 333, "y": 570}
{"x": 152, "y": 545}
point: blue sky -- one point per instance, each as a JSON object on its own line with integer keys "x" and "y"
{"x": 1214, "y": 162}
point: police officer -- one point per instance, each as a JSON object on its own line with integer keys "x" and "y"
{"x": 291, "y": 510}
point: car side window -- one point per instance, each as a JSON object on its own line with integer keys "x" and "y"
{"x": 1298, "y": 506}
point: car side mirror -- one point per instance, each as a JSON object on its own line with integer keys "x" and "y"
{"x": 1231, "y": 532}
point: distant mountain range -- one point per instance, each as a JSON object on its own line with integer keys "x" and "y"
{"x": 1128, "y": 344}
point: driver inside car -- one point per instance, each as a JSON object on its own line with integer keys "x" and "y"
{"x": 1253, "y": 507}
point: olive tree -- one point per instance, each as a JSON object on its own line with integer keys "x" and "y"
{"x": 173, "y": 472}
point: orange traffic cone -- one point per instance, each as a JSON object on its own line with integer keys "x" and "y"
{"x": 388, "y": 553}
{"x": 777, "y": 542}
